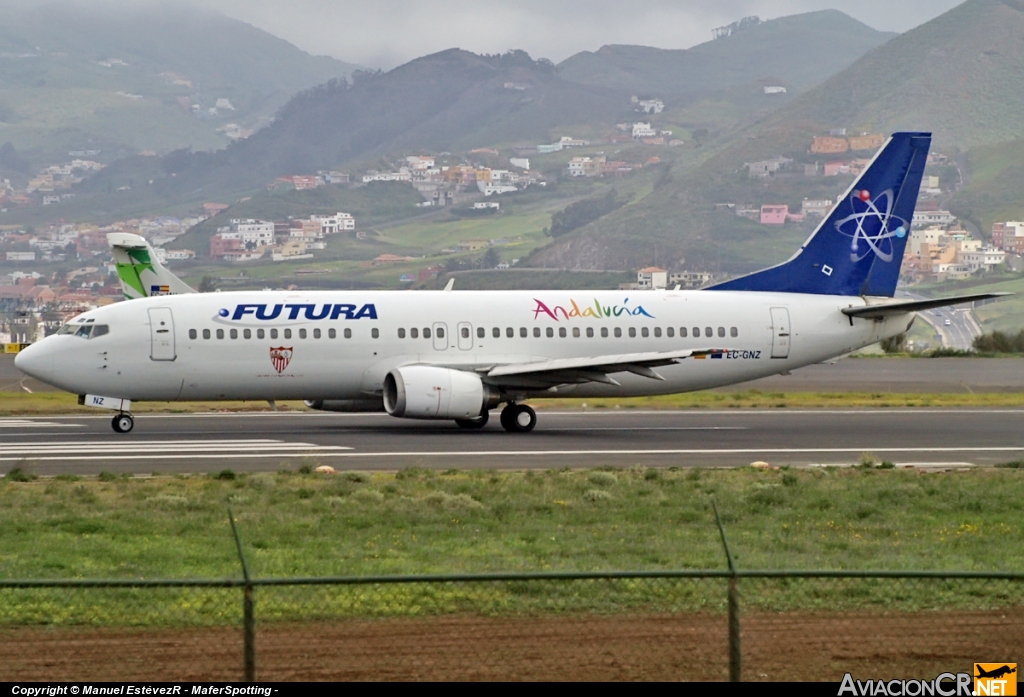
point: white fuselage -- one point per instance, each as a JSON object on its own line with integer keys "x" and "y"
{"x": 327, "y": 345}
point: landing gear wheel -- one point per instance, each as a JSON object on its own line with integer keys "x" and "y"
{"x": 473, "y": 424}
{"x": 518, "y": 418}
{"x": 123, "y": 423}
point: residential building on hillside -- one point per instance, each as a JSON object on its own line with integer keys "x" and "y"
{"x": 933, "y": 218}
{"x": 331, "y": 224}
{"x": 254, "y": 233}
{"x": 829, "y": 145}
{"x": 866, "y": 142}
{"x": 835, "y": 168}
{"x": 472, "y": 245}
{"x": 774, "y": 89}
{"x": 648, "y": 106}
{"x": 643, "y": 130}
{"x": 774, "y": 214}
{"x": 520, "y": 162}
{"x": 652, "y": 278}
{"x": 766, "y": 168}
{"x": 307, "y": 181}
{"x": 820, "y": 207}
{"x": 689, "y": 279}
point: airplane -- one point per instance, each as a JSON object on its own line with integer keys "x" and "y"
{"x": 451, "y": 355}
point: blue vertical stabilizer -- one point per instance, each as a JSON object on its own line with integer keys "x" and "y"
{"x": 858, "y": 248}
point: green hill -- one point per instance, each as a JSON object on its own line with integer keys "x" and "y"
{"x": 960, "y": 75}
{"x": 123, "y": 78}
{"x": 798, "y": 51}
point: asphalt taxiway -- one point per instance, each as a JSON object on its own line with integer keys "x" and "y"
{"x": 927, "y": 438}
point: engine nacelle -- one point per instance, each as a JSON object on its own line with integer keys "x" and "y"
{"x": 428, "y": 392}
{"x": 346, "y": 405}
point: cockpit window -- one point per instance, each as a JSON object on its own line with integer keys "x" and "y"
{"x": 86, "y": 331}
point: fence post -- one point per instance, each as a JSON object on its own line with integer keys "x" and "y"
{"x": 735, "y": 652}
{"x": 248, "y": 610}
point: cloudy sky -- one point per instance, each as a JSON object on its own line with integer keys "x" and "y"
{"x": 385, "y": 33}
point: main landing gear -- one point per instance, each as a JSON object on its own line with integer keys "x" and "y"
{"x": 518, "y": 418}
{"x": 123, "y": 423}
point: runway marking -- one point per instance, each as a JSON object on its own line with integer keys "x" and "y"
{"x": 26, "y": 423}
{"x": 162, "y": 450}
{"x": 647, "y": 428}
{"x": 724, "y": 451}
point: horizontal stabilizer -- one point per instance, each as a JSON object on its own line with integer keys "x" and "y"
{"x": 883, "y": 310}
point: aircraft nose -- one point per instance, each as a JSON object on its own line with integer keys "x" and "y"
{"x": 36, "y": 360}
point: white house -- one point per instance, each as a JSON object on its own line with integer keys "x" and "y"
{"x": 330, "y": 224}
{"x": 933, "y": 218}
{"x": 643, "y": 130}
{"x": 259, "y": 233}
{"x": 652, "y": 278}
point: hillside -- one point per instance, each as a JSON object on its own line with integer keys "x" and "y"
{"x": 960, "y": 75}
{"x": 449, "y": 101}
{"x": 124, "y": 78}
{"x": 798, "y": 51}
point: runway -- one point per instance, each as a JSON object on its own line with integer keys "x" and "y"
{"x": 173, "y": 443}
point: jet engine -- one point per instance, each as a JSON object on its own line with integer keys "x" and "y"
{"x": 428, "y": 392}
{"x": 346, "y": 405}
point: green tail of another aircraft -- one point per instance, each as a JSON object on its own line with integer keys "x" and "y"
{"x": 141, "y": 273}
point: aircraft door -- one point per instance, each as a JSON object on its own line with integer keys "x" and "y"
{"x": 465, "y": 336}
{"x": 780, "y": 332}
{"x": 161, "y": 333}
{"x": 440, "y": 336}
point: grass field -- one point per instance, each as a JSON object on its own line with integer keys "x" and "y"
{"x": 52, "y": 403}
{"x": 418, "y": 521}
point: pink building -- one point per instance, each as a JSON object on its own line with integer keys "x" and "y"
{"x": 774, "y": 215}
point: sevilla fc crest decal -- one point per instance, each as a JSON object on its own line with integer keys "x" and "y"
{"x": 280, "y": 357}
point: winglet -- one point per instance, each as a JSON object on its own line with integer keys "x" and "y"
{"x": 451, "y": 284}
{"x": 141, "y": 273}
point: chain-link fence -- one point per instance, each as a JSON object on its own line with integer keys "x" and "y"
{"x": 665, "y": 625}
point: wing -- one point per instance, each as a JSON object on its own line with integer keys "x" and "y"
{"x": 560, "y": 371}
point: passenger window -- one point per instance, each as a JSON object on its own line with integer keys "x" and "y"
{"x": 375, "y": 333}
{"x": 348, "y": 333}
{"x": 99, "y": 330}
{"x": 414, "y": 333}
{"x": 440, "y": 332}
{"x": 670, "y": 332}
{"x": 632, "y": 332}
{"x": 192, "y": 334}
{"x": 734, "y": 332}
{"x": 220, "y": 333}
{"x": 721, "y": 331}
{"x": 696, "y": 332}
{"x": 234, "y": 333}
{"x": 575, "y": 332}
{"x": 302, "y": 333}
{"x": 510, "y": 332}
{"x": 682, "y": 332}
{"x": 247, "y": 333}
{"x": 287, "y": 333}
{"x": 261, "y": 335}
{"x": 316, "y": 334}
{"x": 561, "y": 332}
{"x": 536, "y": 332}
{"x": 206, "y": 333}
{"x": 465, "y": 332}
{"x": 708, "y": 332}
{"x": 604, "y": 332}
{"x": 590, "y": 332}
{"x": 481, "y": 332}
{"x": 618, "y": 332}
{"x": 426, "y": 332}
{"x": 644, "y": 332}
{"x": 401, "y": 333}
{"x": 657, "y": 332}
{"x": 332, "y": 334}
{"x": 273, "y": 333}
{"x": 550, "y": 332}
{"x": 496, "y": 333}
{"x": 522, "y": 332}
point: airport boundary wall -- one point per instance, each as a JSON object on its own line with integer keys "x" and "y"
{"x": 691, "y": 624}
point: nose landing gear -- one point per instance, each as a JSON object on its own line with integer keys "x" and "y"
{"x": 123, "y": 423}
{"x": 518, "y": 418}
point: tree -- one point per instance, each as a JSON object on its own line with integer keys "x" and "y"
{"x": 490, "y": 258}
{"x": 583, "y": 212}
{"x": 208, "y": 284}
{"x": 895, "y": 344}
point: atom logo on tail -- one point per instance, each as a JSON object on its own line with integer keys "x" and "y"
{"x": 872, "y": 226}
